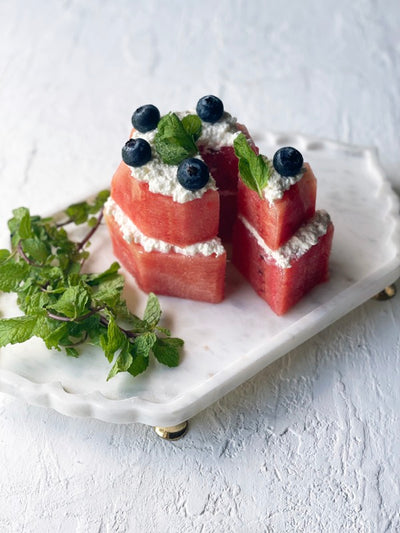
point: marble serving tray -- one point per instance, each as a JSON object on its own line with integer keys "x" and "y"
{"x": 226, "y": 344}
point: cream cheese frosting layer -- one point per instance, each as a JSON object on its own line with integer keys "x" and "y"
{"x": 305, "y": 237}
{"x": 131, "y": 233}
{"x": 277, "y": 185}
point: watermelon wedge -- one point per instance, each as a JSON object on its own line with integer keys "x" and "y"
{"x": 223, "y": 165}
{"x": 159, "y": 217}
{"x": 277, "y": 222}
{"x": 196, "y": 277}
{"x": 284, "y": 277}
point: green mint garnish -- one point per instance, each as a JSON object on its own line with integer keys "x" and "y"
{"x": 192, "y": 125}
{"x": 254, "y": 169}
{"x": 175, "y": 139}
{"x": 68, "y": 307}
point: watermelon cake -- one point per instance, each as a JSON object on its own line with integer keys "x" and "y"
{"x": 164, "y": 212}
{"x": 280, "y": 243}
{"x": 189, "y": 183}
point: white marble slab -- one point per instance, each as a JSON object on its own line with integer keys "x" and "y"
{"x": 226, "y": 344}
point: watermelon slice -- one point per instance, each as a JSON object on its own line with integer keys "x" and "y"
{"x": 282, "y": 285}
{"x": 159, "y": 217}
{"x": 223, "y": 165}
{"x": 196, "y": 277}
{"x": 277, "y": 222}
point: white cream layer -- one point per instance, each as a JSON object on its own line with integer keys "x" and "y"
{"x": 220, "y": 133}
{"x": 131, "y": 233}
{"x": 305, "y": 237}
{"x": 277, "y": 185}
{"x": 162, "y": 177}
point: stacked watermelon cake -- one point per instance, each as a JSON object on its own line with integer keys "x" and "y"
{"x": 189, "y": 183}
{"x": 164, "y": 208}
{"x": 280, "y": 243}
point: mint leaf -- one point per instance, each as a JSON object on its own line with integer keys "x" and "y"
{"x": 107, "y": 275}
{"x": 4, "y": 255}
{"x": 12, "y": 274}
{"x": 172, "y": 142}
{"x": 79, "y": 212}
{"x": 37, "y": 250}
{"x": 255, "y": 170}
{"x": 21, "y": 223}
{"x": 123, "y": 362}
{"x": 144, "y": 343}
{"x": 113, "y": 341}
{"x": 193, "y": 126}
{"x": 16, "y": 330}
{"x": 71, "y": 351}
{"x": 73, "y": 302}
{"x": 139, "y": 364}
{"x": 152, "y": 313}
{"x": 166, "y": 351}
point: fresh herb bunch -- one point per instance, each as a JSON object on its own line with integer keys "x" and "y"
{"x": 255, "y": 170}
{"x": 67, "y": 307}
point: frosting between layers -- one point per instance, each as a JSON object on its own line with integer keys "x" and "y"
{"x": 131, "y": 233}
{"x": 162, "y": 177}
{"x": 304, "y": 238}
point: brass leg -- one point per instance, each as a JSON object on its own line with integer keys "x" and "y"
{"x": 387, "y": 293}
{"x": 172, "y": 432}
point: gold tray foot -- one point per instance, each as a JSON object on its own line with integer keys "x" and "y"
{"x": 387, "y": 293}
{"x": 172, "y": 432}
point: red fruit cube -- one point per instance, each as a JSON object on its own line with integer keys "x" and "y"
{"x": 196, "y": 277}
{"x": 277, "y": 222}
{"x": 281, "y": 286}
{"x": 160, "y": 217}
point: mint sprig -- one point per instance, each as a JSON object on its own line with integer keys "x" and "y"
{"x": 255, "y": 170}
{"x": 67, "y": 307}
{"x": 175, "y": 139}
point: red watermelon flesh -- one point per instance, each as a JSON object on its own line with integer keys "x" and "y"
{"x": 228, "y": 214}
{"x": 277, "y": 222}
{"x": 196, "y": 277}
{"x": 223, "y": 163}
{"x": 280, "y": 287}
{"x": 159, "y": 217}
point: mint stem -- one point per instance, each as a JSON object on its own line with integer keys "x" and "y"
{"x": 91, "y": 232}
{"x": 78, "y": 319}
{"x": 130, "y": 334}
{"x": 23, "y": 255}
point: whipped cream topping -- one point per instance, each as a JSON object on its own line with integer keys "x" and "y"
{"x": 277, "y": 185}
{"x": 305, "y": 237}
{"x": 220, "y": 133}
{"x": 131, "y": 233}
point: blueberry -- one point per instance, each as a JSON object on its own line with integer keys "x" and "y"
{"x": 210, "y": 108}
{"x": 193, "y": 174}
{"x": 288, "y": 161}
{"x": 145, "y": 118}
{"x": 136, "y": 152}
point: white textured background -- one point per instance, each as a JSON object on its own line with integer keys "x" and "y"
{"x": 310, "y": 444}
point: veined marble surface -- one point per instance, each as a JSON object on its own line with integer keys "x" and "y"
{"x": 309, "y": 444}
